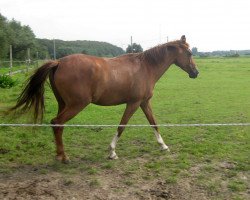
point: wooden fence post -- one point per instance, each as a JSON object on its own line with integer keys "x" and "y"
{"x": 37, "y": 64}
{"x": 28, "y": 62}
{"x": 10, "y": 71}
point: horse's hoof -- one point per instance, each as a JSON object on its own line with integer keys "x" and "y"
{"x": 62, "y": 159}
{"x": 58, "y": 158}
{"x": 165, "y": 148}
{"x": 113, "y": 157}
{"x": 112, "y": 154}
{"x": 66, "y": 161}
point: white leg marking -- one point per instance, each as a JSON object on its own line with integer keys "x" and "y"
{"x": 160, "y": 141}
{"x": 112, "y": 154}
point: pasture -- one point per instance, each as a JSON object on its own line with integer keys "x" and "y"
{"x": 17, "y": 66}
{"x": 203, "y": 162}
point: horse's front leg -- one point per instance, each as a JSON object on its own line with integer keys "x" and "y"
{"x": 129, "y": 111}
{"x": 146, "y": 108}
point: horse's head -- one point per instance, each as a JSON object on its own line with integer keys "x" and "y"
{"x": 184, "y": 58}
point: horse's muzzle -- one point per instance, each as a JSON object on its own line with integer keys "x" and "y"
{"x": 193, "y": 74}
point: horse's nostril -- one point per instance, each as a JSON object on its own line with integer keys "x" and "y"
{"x": 193, "y": 74}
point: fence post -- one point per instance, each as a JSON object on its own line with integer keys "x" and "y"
{"x": 10, "y": 71}
{"x": 28, "y": 63}
{"x": 37, "y": 64}
{"x": 54, "y": 45}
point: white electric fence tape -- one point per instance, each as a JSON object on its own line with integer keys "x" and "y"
{"x": 128, "y": 125}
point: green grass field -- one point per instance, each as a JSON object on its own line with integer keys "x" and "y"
{"x": 214, "y": 161}
{"x": 18, "y": 66}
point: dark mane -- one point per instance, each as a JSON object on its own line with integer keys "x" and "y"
{"x": 156, "y": 54}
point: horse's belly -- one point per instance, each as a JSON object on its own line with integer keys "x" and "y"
{"x": 110, "y": 99}
{"x": 109, "y": 103}
{"x": 115, "y": 97}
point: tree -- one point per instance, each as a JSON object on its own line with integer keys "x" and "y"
{"x": 4, "y": 40}
{"x": 21, "y": 38}
{"x": 64, "y": 51}
{"x": 136, "y": 48}
{"x": 84, "y": 51}
{"x": 194, "y": 51}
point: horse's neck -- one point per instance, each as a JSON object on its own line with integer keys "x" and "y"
{"x": 162, "y": 67}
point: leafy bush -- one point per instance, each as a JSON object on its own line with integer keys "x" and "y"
{"x": 6, "y": 81}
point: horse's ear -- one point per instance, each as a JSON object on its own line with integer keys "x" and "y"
{"x": 183, "y": 39}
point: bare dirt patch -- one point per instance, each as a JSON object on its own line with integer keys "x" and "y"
{"x": 29, "y": 184}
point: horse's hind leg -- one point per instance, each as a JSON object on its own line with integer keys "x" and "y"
{"x": 60, "y": 155}
{"x": 67, "y": 113}
{"x": 58, "y": 130}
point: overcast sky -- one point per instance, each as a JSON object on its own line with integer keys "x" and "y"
{"x": 207, "y": 24}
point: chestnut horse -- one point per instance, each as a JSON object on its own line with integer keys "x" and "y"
{"x": 78, "y": 80}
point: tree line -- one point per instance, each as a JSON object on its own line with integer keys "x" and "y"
{"x": 230, "y": 53}
{"x": 22, "y": 38}
{"x": 64, "y": 48}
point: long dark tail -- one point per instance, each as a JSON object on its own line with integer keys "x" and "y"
{"x": 33, "y": 94}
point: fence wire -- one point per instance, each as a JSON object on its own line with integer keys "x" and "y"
{"x": 127, "y": 125}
